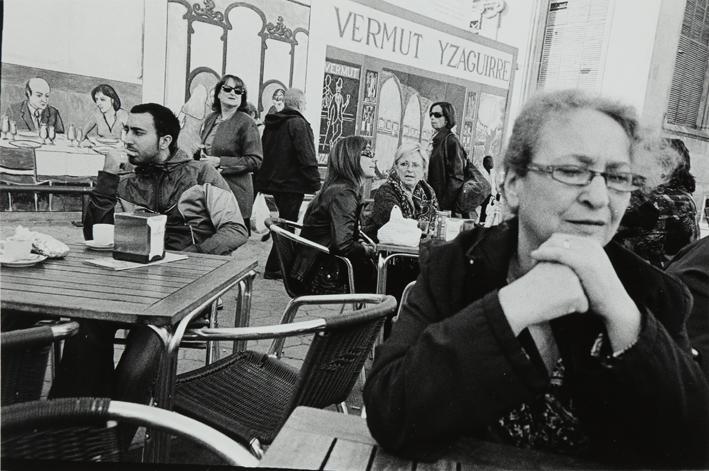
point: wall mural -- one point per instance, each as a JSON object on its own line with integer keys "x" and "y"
{"x": 488, "y": 133}
{"x": 218, "y": 38}
{"x": 339, "y": 104}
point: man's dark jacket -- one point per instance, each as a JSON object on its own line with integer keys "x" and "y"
{"x": 289, "y": 162}
{"x": 21, "y": 114}
{"x": 452, "y": 365}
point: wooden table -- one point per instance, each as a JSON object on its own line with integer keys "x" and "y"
{"x": 165, "y": 297}
{"x": 319, "y": 439}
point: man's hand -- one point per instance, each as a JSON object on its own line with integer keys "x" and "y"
{"x": 211, "y": 160}
{"x": 115, "y": 160}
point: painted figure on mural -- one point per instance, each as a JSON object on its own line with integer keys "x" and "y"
{"x": 326, "y": 92}
{"x": 335, "y": 113}
{"x": 35, "y": 110}
{"x": 371, "y": 82}
{"x": 277, "y": 104}
{"x": 365, "y": 128}
{"x": 108, "y": 119}
{"x": 191, "y": 117}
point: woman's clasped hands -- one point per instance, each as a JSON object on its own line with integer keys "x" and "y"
{"x": 572, "y": 274}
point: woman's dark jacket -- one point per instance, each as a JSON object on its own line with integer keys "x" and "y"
{"x": 332, "y": 220}
{"x": 238, "y": 144}
{"x": 452, "y": 365}
{"x": 446, "y": 168}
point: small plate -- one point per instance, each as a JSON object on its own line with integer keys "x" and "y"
{"x": 33, "y": 259}
{"x": 103, "y": 149}
{"x": 107, "y": 140}
{"x": 91, "y": 245}
{"x": 28, "y": 144}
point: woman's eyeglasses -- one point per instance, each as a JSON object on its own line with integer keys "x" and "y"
{"x": 581, "y": 176}
{"x": 236, "y": 90}
{"x": 435, "y": 114}
{"x": 413, "y": 165}
{"x": 367, "y": 153}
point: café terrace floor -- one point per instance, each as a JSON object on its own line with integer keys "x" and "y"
{"x": 268, "y": 301}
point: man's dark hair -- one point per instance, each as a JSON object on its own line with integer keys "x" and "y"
{"x": 166, "y": 123}
{"x": 681, "y": 176}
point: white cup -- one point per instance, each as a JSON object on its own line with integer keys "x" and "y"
{"x": 15, "y": 249}
{"x": 103, "y": 234}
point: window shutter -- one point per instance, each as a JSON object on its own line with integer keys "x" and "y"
{"x": 573, "y": 42}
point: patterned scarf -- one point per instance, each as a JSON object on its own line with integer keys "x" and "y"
{"x": 421, "y": 204}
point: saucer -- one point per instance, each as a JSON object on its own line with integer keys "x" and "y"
{"x": 91, "y": 245}
{"x": 103, "y": 149}
{"x": 107, "y": 140}
{"x": 28, "y": 144}
{"x": 33, "y": 259}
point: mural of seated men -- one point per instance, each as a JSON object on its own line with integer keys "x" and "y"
{"x": 35, "y": 110}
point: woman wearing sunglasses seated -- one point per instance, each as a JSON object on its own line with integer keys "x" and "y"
{"x": 332, "y": 220}
{"x": 231, "y": 141}
{"x": 540, "y": 332}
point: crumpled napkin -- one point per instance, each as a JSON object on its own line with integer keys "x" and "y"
{"x": 399, "y": 230}
{"x": 43, "y": 244}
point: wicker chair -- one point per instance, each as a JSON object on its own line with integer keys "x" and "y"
{"x": 288, "y": 243}
{"x": 24, "y": 359}
{"x": 87, "y": 429}
{"x": 249, "y": 395}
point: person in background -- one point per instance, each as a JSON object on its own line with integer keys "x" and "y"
{"x": 490, "y": 205}
{"x": 231, "y": 141}
{"x": 447, "y": 162}
{"x": 406, "y": 188}
{"x": 202, "y": 216}
{"x": 691, "y": 265}
{"x": 659, "y": 222}
{"x": 332, "y": 220}
{"x": 109, "y": 118}
{"x": 290, "y": 166}
{"x": 35, "y": 110}
{"x": 252, "y": 111}
{"x": 540, "y": 332}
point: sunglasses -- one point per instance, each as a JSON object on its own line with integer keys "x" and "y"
{"x": 236, "y": 90}
{"x": 436, "y": 114}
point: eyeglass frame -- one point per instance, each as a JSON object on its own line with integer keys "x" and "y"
{"x": 636, "y": 181}
{"x": 237, "y": 90}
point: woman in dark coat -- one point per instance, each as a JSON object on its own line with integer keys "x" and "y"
{"x": 540, "y": 332}
{"x": 332, "y": 219}
{"x": 446, "y": 164}
{"x": 231, "y": 141}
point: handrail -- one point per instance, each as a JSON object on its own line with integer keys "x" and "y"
{"x": 63, "y": 189}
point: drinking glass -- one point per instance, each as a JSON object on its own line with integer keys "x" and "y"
{"x": 43, "y": 133}
{"x": 13, "y": 129}
{"x": 71, "y": 134}
{"x": 79, "y": 136}
{"x": 51, "y": 134}
{"x": 5, "y": 127}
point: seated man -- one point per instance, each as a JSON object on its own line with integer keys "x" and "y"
{"x": 29, "y": 114}
{"x": 202, "y": 216}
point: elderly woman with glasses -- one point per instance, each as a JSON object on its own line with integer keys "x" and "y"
{"x": 231, "y": 141}
{"x": 406, "y": 188}
{"x": 540, "y": 332}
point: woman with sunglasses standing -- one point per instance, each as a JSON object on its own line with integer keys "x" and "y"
{"x": 447, "y": 162}
{"x": 231, "y": 141}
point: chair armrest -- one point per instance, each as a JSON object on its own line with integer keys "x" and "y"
{"x": 179, "y": 424}
{"x": 40, "y": 335}
{"x": 286, "y": 222}
{"x": 301, "y": 240}
{"x": 286, "y": 328}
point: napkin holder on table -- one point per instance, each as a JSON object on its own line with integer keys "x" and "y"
{"x": 139, "y": 236}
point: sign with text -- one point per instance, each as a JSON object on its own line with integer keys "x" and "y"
{"x": 361, "y": 29}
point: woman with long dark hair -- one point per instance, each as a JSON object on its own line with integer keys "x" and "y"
{"x": 332, "y": 218}
{"x": 231, "y": 141}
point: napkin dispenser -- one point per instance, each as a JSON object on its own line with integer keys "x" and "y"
{"x": 139, "y": 236}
